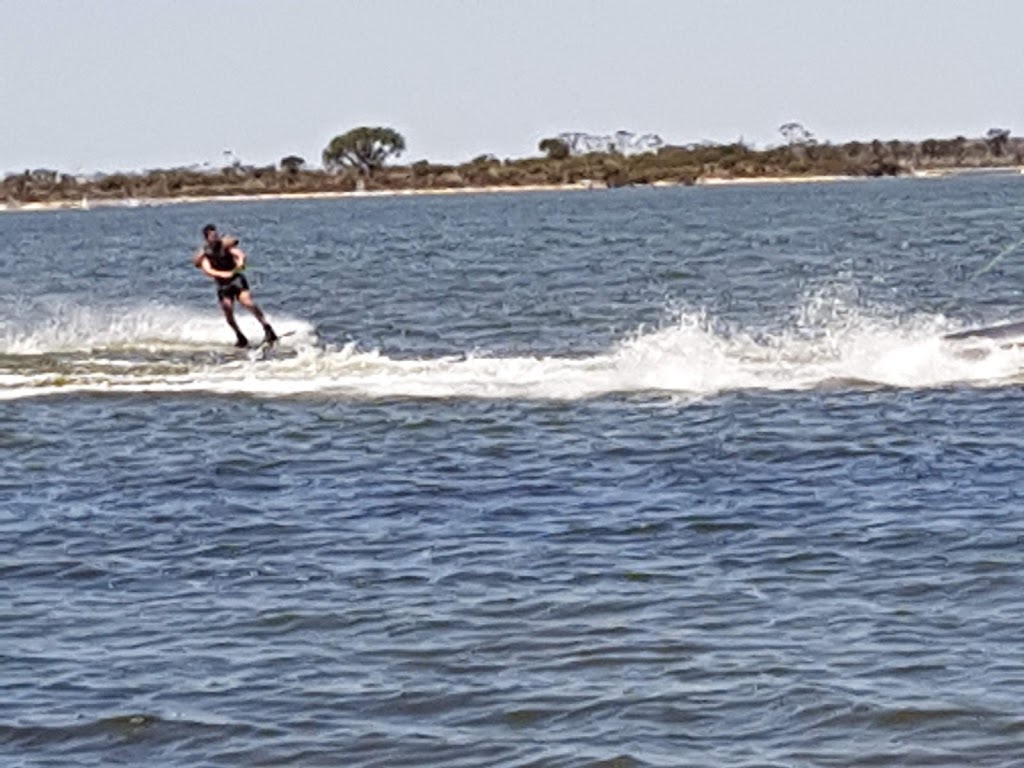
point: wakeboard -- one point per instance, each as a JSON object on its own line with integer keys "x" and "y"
{"x": 264, "y": 350}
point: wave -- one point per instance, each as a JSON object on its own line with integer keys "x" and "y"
{"x": 166, "y": 350}
{"x": 70, "y": 328}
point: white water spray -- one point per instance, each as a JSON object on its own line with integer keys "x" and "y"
{"x": 87, "y": 351}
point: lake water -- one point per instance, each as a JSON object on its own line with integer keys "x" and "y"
{"x": 680, "y": 477}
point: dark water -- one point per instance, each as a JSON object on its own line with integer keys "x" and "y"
{"x": 637, "y": 478}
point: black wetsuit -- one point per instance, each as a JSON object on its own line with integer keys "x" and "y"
{"x": 222, "y": 260}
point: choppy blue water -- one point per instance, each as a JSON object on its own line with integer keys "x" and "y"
{"x": 679, "y": 477}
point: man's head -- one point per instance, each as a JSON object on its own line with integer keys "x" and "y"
{"x": 210, "y": 233}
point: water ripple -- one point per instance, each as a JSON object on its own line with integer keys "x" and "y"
{"x": 516, "y": 538}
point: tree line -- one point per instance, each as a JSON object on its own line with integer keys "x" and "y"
{"x": 362, "y": 159}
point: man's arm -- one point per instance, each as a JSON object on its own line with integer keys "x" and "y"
{"x": 203, "y": 263}
{"x": 239, "y": 256}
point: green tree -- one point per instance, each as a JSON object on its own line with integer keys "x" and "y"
{"x": 801, "y": 141}
{"x": 363, "y": 148}
{"x": 796, "y": 135}
{"x": 555, "y": 149}
{"x": 292, "y": 164}
{"x": 997, "y": 140}
{"x": 931, "y": 148}
{"x": 421, "y": 169}
{"x": 960, "y": 148}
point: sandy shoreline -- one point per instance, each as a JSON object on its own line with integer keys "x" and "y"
{"x": 86, "y": 204}
{"x": 716, "y": 182}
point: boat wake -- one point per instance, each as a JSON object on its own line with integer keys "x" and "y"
{"x": 162, "y": 350}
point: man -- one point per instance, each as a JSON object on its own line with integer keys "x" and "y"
{"x": 222, "y": 259}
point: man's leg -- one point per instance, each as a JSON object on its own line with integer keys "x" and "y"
{"x": 227, "y": 306}
{"x": 245, "y": 299}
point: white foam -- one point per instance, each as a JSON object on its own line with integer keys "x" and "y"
{"x": 70, "y": 328}
{"x": 687, "y": 358}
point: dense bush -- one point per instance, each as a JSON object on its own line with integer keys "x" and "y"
{"x": 668, "y": 164}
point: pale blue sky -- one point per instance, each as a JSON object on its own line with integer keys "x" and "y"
{"x": 131, "y": 84}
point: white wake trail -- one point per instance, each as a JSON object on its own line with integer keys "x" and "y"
{"x": 687, "y": 358}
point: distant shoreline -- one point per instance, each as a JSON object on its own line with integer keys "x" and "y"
{"x": 570, "y": 161}
{"x": 708, "y": 181}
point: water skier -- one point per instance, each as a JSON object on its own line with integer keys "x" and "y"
{"x": 221, "y": 259}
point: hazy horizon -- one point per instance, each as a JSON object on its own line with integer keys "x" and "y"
{"x": 115, "y": 85}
